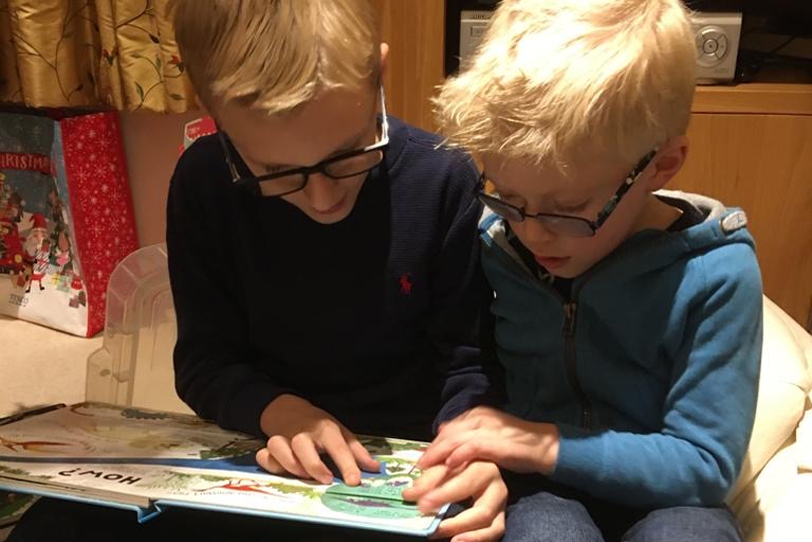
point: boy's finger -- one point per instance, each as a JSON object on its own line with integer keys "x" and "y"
{"x": 467, "y": 452}
{"x": 362, "y": 456}
{"x": 478, "y": 481}
{"x": 485, "y": 519}
{"x": 457, "y": 530}
{"x": 267, "y": 462}
{"x": 481, "y": 449}
{"x": 453, "y": 490}
{"x": 335, "y": 442}
{"x": 277, "y": 458}
{"x": 305, "y": 451}
{"x": 426, "y": 482}
{"x": 344, "y": 459}
{"x": 437, "y": 453}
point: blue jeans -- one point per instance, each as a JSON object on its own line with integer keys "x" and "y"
{"x": 545, "y": 516}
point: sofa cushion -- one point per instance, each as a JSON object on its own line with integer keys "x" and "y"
{"x": 764, "y": 493}
{"x": 804, "y": 430}
{"x": 784, "y": 385}
{"x": 787, "y": 519}
{"x": 804, "y": 438}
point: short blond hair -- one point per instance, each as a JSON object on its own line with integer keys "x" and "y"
{"x": 555, "y": 78}
{"x": 274, "y": 55}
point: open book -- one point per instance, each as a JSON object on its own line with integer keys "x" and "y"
{"x": 148, "y": 460}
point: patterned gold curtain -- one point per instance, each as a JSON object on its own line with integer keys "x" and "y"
{"x": 79, "y": 53}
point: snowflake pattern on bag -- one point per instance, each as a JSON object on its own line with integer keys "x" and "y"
{"x": 101, "y": 204}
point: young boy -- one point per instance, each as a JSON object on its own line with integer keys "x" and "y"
{"x": 323, "y": 256}
{"x": 628, "y": 319}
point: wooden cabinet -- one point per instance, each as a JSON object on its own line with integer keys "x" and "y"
{"x": 414, "y": 31}
{"x": 751, "y": 147}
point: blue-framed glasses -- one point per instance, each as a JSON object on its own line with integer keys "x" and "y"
{"x": 342, "y": 166}
{"x": 569, "y": 226}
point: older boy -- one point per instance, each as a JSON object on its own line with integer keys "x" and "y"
{"x": 628, "y": 319}
{"x": 345, "y": 294}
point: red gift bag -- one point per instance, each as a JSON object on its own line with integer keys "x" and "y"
{"x": 66, "y": 217}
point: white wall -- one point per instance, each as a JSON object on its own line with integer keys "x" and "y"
{"x": 151, "y": 142}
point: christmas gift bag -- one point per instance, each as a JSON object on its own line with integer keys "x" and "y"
{"x": 66, "y": 217}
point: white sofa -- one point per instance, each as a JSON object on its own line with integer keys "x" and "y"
{"x": 773, "y": 496}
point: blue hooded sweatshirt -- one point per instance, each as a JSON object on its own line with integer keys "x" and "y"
{"x": 650, "y": 369}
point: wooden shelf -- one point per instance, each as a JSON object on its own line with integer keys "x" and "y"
{"x": 755, "y": 98}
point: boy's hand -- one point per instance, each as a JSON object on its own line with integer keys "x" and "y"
{"x": 480, "y": 481}
{"x": 492, "y": 435}
{"x": 299, "y": 433}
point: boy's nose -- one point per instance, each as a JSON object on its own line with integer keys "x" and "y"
{"x": 535, "y": 233}
{"x": 322, "y": 192}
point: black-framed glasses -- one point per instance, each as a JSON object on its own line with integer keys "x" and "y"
{"x": 567, "y": 225}
{"x": 341, "y": 166}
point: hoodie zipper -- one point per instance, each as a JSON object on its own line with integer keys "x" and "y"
{"x": 570, "y": 314}
{"x": 571, "y": 367}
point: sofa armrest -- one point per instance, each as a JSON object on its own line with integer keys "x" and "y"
{"x": 804, "y": 430}
{"x": 774, "y": 507}
{"x": 784, "y": 385}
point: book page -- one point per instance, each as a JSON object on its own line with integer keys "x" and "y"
{"x": 120, "y": 454}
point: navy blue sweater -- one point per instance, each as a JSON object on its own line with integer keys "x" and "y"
{"x": 374, "y": 319}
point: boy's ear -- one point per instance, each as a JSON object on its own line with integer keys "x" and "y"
{"x": 384, "y": 57}
{"x": 668, "y": 162}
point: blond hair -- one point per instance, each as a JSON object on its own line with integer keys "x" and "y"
{"x": 274, "y": 55}
{"x": 556, "y": 78}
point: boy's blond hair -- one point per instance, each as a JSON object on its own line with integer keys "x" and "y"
{"x": 274, "y": 55}
{"x": 556, "y": 78}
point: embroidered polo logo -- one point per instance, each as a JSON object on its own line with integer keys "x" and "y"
{"x": 406, "y": 284}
